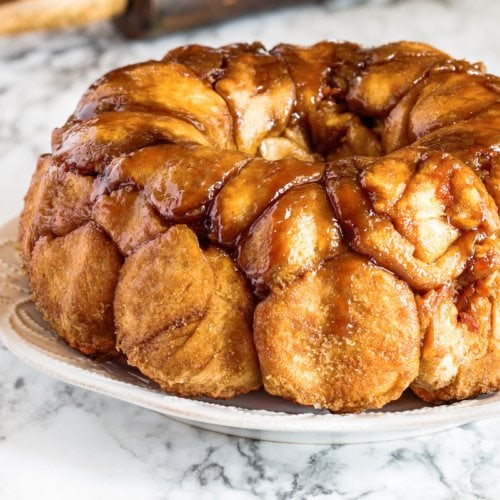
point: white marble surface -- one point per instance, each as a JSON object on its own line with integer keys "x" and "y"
{"x": 59, "y": 442}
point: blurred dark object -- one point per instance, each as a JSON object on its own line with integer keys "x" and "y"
{"x": 153, "y": 17}
{"x": 133, "y": 18}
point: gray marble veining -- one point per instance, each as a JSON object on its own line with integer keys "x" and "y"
{"x": 61, "y": 442}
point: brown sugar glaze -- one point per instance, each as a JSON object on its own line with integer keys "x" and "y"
{"x": 321, "y": 220}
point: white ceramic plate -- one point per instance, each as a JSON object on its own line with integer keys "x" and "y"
{"x": 257, "y": 415}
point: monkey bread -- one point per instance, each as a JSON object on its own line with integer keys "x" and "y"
{"x": 321, "y": 221}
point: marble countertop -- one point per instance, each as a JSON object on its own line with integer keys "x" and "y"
{"x": 61, "y": 442}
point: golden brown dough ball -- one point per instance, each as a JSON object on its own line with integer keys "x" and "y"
{"x": 183, "y": 317}
{"x": 222, "y": 211}
{"x": 345, "y": 337}
{"x": 73, "y": 280}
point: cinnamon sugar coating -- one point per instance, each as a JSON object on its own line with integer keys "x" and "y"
{"x": 322, "y": 221}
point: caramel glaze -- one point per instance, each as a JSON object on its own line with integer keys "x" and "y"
{"x": 389, "y": 88}
{"x": 408, "y": 172}
{"x": 387, "y": 94}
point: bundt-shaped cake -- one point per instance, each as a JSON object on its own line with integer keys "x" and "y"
{"x": 322, "y": 221}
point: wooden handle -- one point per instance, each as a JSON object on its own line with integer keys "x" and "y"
{"x": 157, "y": 17}
{"x": 34, "y": 15}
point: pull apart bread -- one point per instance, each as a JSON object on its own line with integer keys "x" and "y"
{"x": 322, "y": 221}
